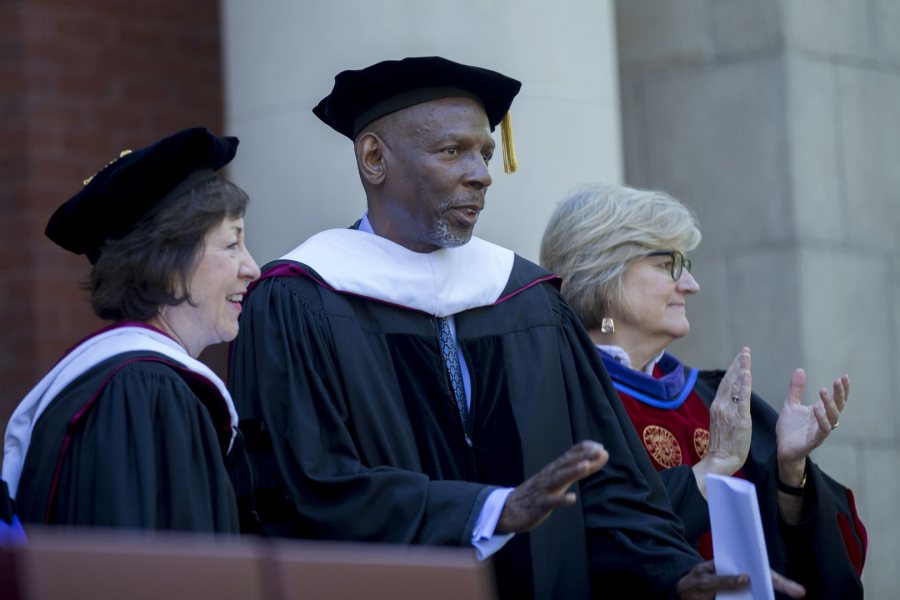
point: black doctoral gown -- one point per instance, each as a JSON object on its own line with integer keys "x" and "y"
{"x": 353, "y": 434}
{"x": 135, "y": 442}
{"x": 825, "y": 551}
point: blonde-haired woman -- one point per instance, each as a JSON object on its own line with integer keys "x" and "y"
{"x": 622, "y": 255}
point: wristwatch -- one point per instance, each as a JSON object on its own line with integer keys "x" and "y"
{"x": 789, "y": 489}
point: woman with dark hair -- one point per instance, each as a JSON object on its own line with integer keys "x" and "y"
{"x": 129, "y": 429}
{"x": 621, "y": 253}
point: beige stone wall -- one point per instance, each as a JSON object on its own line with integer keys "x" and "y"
{"x": 779, "y": 123}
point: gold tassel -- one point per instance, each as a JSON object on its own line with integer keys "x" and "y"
{"x": 121, "y": 154}
{"x": 510, "y": 164}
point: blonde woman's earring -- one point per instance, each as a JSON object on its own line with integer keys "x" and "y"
{"x": 607, "y": 325}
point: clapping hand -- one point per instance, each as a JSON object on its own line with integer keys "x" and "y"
{"x": 802, "y": 428}
{"x": 730, "y": 425}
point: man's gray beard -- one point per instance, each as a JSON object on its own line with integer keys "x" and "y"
{"x": 442, "y": 237}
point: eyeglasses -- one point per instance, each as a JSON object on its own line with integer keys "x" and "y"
{"x": 678, "y": 264}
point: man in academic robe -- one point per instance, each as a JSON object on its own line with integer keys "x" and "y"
{"x": 403, "y": 381}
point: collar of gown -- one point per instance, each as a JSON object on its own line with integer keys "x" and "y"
{"x": 440, "y": 283}
{"x": 99, "y": 346}
{"x": 667, "y": 388}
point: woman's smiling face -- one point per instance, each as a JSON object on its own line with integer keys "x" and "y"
{"x": 216, "y": 287}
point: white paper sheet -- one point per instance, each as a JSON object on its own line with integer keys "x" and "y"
{"x": 739, "y": 545}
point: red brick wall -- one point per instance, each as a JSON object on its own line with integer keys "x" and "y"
{"x": 80, "y": 81}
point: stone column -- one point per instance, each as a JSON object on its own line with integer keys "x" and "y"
{"x": 779, "y": 123}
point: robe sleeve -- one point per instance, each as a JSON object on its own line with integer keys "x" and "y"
{"x": 826, "y": 550}
{"x": 634, "y": 537}
{"x": 687, "y": 501}
{"x": 142, "y": 453}
{"x": 308, "y": 477}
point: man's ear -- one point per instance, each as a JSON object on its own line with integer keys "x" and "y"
{"x": 370, "y": 158}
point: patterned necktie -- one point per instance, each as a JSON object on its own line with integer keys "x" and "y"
{"x": 451, "y": 358}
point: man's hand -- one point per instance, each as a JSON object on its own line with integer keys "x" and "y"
{"x": 533, "y": 501}
{"x": 702, "y": 583}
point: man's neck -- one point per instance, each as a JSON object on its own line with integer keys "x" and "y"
{"x": 366, "y": 225}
